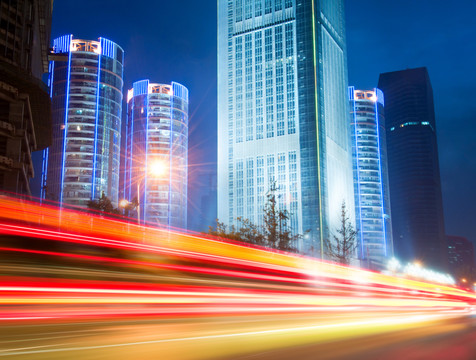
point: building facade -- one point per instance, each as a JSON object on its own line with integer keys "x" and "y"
{"x": 372, "y": 200}
{"x": 413, "y": 167}
{"x": 283, "y": 114}
{"x": 25, "y": 113}
{"x": 86, "y": 93}
{"x": 460, "y": 256}
{"x": 155, "y": 168}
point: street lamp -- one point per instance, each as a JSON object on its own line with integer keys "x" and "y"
{"x": 123, "y": 203}
{"x": 156, "y": 168}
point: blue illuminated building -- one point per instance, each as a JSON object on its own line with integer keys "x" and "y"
{"x": 155, "y": 167}
{"x": 413, "y": 167}
{"x": 86, "y": 94}
{"x": 372, "y": 203}
{"x": 283, "y": 114}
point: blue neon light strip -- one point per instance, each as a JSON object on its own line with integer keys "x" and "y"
{"x": 175, "y": 90}
{"x": 350, "y": 89}
{"x": 44, "y": 173}
{"x": 141, "y": 87}
{"x": 126, "y": 156}
{"x": 380, "y": 173}
{"x": 351, "y": 97}
{"x": 380, "y": 97}
{"x": 62, "y": 44}
{"x": 145, "y": 84}
{"x": 93, "y": 178}
{"x": 131, "y": 149}
{"x": 107, "y": 47}
{"x": 180, "y": 91}
{"x": 65, "y": 133}
{"x": 51, "y": 77}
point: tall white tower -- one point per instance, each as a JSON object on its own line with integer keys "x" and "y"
{"x": 283, "y": 113}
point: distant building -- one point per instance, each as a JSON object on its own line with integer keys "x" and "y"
{"x": 413, "y": 168}
{"x": 372, "y": 200}
{"x": 86, "y": 92}
{"x": 25, "y": 112}
{"x": 283, "y": 114}
{"x": 156, "y": 152}
{"x": 202, "y": 211}
{"x": 460, "y": 254}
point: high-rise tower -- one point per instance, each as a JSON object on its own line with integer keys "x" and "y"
{"x": 25, "y": 112}
{"x": 156, "y": 152}
{"x": 86, "y": 93}
{"x": 283, "y": 113}
{"x": 413, "y": 169}
{"x": 372, "y": 201}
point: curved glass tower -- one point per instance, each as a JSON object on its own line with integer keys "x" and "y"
{"x": 372, "y": 202}
{"x": 86, "y": 93}
{"x": 414, "y": 173}
{"x": 156, "y": 152}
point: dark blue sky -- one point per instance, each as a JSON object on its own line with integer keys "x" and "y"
{"x": 176, "y": 40}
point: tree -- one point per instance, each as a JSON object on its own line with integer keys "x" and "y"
{"x": 103, "y": 204}
{"x": 343, "y": 246}
{"x": 275, "y": 233}
{"x": 276, "y": 224}
{"x": 245, "y": 232}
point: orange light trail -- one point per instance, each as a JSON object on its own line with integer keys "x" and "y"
{"x": 61, "y": 265}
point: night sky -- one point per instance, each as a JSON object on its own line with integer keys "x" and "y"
{"x": 168, "y": 41}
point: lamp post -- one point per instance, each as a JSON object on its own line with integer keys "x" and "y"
{"x": 155, "y": 169}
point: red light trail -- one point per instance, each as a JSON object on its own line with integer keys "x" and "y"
{"x": 65, "y": 265}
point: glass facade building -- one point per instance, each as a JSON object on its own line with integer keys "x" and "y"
{"x": 413, "y": 167}
{"x": 283, "y": 114}
{"x": 372, "y": 201}
{"x": 156, "y": 152}
{"x": 86, "y": 92}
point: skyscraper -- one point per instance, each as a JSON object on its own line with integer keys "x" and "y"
{"x": 86, "y": 93}
{"x": 283, "y": 113}
{"x": 413, "y": 169}
{"x": 25, "y": 112}
{"x": 155, "y": 168}
{"x": 372, "y": 201}
{"x": 460, "y": 257}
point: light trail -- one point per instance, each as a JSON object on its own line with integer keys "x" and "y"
{"x": 386, "y": 322}
{"x": 71, "y": 268}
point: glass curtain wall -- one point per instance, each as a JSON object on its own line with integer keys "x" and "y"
{"x": 283, "y": 114}
{"x": 156, "y": 152}
{"x": 372, "y": 203}
{"x": 86, "y": 80}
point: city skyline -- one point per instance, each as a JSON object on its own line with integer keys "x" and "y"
{"x": 237, "y": 179}
{"x": 196, "y": 70}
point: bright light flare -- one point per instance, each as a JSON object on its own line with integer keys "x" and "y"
{"x": 157, "y": 168}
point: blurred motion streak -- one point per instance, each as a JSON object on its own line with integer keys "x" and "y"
{"x": 152, "y": 288}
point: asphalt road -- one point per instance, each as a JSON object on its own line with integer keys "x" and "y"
{"x": 350, "y": 335}
{"x": 448, "y": 340}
